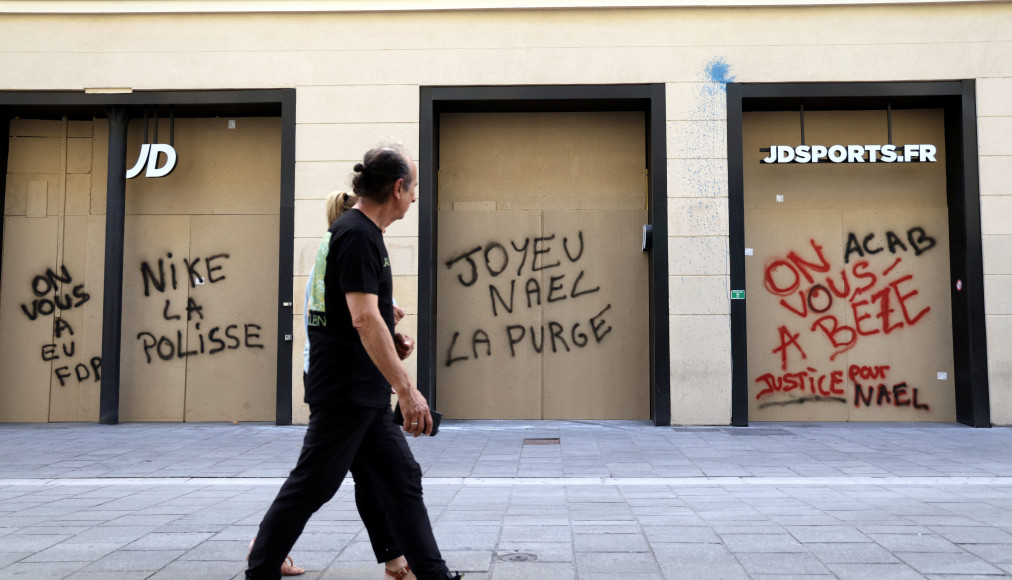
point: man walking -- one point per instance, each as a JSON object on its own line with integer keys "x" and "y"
{"x": 355, "y": 359}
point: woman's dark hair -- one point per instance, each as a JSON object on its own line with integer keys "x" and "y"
{"x": 379, "y": 171}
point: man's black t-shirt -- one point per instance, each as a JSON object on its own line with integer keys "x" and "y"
{"x": 351, "y": 258}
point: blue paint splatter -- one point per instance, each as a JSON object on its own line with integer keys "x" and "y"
{"x": 718, "y": 71}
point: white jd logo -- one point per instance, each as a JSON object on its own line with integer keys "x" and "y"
{"x": 149, "y": 156}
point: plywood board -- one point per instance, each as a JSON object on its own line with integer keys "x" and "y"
{"x": 79, "y": 155}
{"x": 99, "y": 167}
{"x": 543, "y": 160}
{"x": 595, "y": 310}
{"x": 916, "y": 344}
{"x": 153, "y": 374}
{"x": 35, "y": 155}
{"x": 26, "y": 318}
{"x": 848, "y": 284}
{"x": 486, "y": 365}
{"x": 233, "y": 379}
{"x": 76, "y": 383}
{"x": 14, "y": 197}
{"x": 843, "y": 185}
{"x": 219, "y": 170}
{"x": 94, "y": 280}
{"x": 36, "y": 128}
{"x": 510, "y": 183}
{"x": 80, "y": 129}
{"x": 78, "y": 194}
{"x": 782, "y": 348}
{"x": 37, "y": 199}
{"x": 17, "y": 193}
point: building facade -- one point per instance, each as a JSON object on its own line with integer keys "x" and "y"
{"x": 684, "y": 212}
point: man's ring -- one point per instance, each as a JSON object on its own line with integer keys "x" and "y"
{"x": 414, "y": 422}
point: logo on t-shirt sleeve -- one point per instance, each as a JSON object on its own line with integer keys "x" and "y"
{"x": 317, "y": 307}
{"x": 386, "y": 262}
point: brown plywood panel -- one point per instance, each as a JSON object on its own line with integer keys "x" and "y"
{"x": 77, "y": 371}
{"x": 843, "y": 185}
{"x": 231, "y": 373}
{"x": 155, "y": 290}
{"x": 486, "y": 365}
{"x": 94, "y": 279}
{"x": 35, "y": 155}
{"x": 595, "y": 315}
{"x": 99, "y": 166}
{"x": 78, "y": 194}
{"x": 40, "y": 202}
{"x": 219, "y": 170}
{"x": 906, "y": 317}
{"x": 26, "y": 318}
{"x": 36, "y": 128}
{"x": 848, "y": 285}
{"x": 80, "y": 129}
{"x": 15, "y": 197}
{"x": 37, "y": 199}
{"x": 473, "y": 205}
{"x": 543, "y": 160}
{"x": 56, "y": 199}
{"x": 787, "y": 359}
{"x": 79, "y": 155}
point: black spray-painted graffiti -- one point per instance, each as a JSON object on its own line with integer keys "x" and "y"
{"x": 536, "y": 254}
{"x": 919, "y": 240}
{"x": 218, "y": 338}
{"x": 50, "y": 295}
{"x": 44, "y": 284}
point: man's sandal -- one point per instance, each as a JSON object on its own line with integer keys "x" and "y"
{"x": 288, "y": 567}
{"x": 399, "y": 574}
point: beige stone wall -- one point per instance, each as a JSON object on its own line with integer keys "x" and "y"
{"x": 357, "y": 77}
{"x": 994, "y": 127}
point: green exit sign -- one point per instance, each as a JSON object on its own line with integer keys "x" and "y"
{"x": 737, "y": 294}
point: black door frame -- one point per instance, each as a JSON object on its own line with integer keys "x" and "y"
{"x": 235, "y": 103}
{"x": 958, "y": 100}
{"x": 648, "y": 98}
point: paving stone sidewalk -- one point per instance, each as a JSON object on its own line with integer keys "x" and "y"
{"x": 610, "y": 500}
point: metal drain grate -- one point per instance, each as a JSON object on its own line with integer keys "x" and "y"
{"x": 757, "y": 432}
{"x": 517, "y": 557}
{"x": 542, "y": 441}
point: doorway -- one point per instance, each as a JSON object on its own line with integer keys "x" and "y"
{"x": 206, "y": 262}
{"x": 911, "y": 215}
{"x": 533, "y": 204}
{"x": 543, "y": 299}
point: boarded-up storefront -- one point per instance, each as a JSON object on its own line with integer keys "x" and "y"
{"x": 199, "y": 315}
{"x": 849, "y": 315}
{"x": 542, "y": 308}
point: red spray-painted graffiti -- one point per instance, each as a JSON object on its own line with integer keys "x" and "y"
{"x": 812, "y": 385}
{"x": 880, "y": 299}
{"x": 808, "y": 380}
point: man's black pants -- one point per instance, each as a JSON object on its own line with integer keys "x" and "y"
{"x": 337, "y": 438}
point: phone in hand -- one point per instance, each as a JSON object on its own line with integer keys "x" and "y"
{"x": 436, "y": 418}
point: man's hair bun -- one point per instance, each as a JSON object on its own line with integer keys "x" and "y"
{"x": 379, "y": 171}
